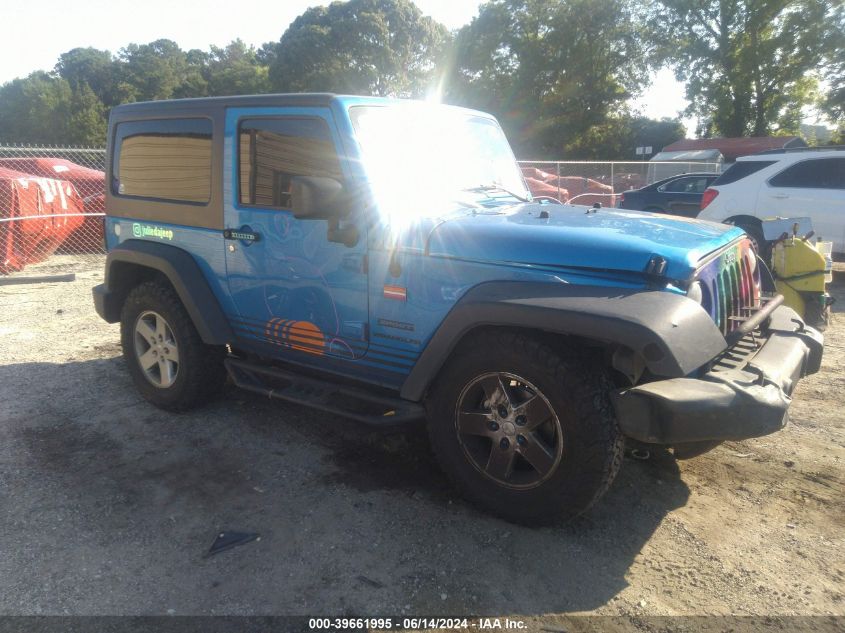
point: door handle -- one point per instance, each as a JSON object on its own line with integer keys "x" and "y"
{"x": 780, "y": 196}
{"x": 244, "y": 235}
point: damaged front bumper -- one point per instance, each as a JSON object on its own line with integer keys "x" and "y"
{"x": 744, "y": 393}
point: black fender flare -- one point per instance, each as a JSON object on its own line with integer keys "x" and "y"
{"x": 184, "y": 274}
{"x": 673, "y": 334}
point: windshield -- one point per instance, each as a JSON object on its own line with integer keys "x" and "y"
{"x": 422, "y": 160}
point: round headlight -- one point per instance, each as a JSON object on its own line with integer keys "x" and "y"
{"x": 695, "y": 292}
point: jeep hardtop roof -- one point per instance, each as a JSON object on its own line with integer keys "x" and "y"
{"x": 300, "y": 99}
{"x": 304, "y": 99}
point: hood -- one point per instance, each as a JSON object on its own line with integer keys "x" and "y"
{"x": 572, "y": 237}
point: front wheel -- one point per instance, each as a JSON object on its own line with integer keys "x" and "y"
{"x": 523, "y": 430}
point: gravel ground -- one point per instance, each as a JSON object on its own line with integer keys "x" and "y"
{"x": 107, "y": 504}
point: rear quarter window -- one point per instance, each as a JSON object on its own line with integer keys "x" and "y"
{"x": 740, "y": 170}
{"x": 816, "y": 173}
{"x": 163, "y": 159}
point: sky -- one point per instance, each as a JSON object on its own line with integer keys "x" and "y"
{"x": 48, "y": 28}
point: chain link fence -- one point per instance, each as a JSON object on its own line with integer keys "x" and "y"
{"x": 588, "y": 182}
{"x": 52, "y": 204}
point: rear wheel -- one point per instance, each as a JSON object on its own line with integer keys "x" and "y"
{"x": 169, "y": 364}
{"x": 525, "y": 431}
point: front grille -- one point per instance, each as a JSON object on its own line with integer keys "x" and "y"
{"x": 731, "y": 285}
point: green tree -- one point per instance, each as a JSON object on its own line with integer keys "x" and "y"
{"x": 549, "y": 70}
{"x": 379, "y": 47}
{"x": 266, "y": 55}
{"x": 234, "y": 70}
{"x": 751, "y": 66}
{"x": 91, "y": 66}
{"x": 834, "y": 70}
{"x": 35, "y": 109}
{"x": 195, "y": 79}
{"x": 86, "y": 119}
{"x": 90, "y": 73}
{"x": 159, "y": 70}
{"x": 618, "y": 136}
{"x": 45, "y": 108}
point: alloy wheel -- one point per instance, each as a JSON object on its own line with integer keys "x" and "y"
{"x": 156, "y": 350}
{"x": 508, "y": 430}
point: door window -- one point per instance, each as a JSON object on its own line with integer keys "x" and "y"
{"x": 271, "y": 151}
{"x": 819, "y": 173}
{"x": 695, "y": 184}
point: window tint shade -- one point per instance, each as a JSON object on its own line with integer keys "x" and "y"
{"x": 166, "y": 159}
{"x": 740, "y": 170}
{"x": 272, "y": 151}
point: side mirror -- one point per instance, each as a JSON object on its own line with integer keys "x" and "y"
{"x": 318, "y": 198}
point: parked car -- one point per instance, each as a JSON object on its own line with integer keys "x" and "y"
{"x": 678, "y": 195}
{"x": 274, "y": 238}
{"x": 808, "y": 182}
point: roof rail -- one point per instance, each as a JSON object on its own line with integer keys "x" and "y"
{"x": 790, "y": 150}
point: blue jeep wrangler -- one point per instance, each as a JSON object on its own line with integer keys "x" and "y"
{"x": 383, "y": 260}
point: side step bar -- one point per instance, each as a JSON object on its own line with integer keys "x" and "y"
{"x": 343, "y": 400}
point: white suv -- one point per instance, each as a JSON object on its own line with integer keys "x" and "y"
{"x": 787, "y": 183}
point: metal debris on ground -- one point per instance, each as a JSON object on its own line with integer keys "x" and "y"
{"x": 228, "y": 540}
{"x": 369, "y": 581}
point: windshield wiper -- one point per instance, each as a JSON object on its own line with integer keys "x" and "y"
{"x": 497, "y": 187}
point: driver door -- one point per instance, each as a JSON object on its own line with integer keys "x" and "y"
{"x": 298, "y": 295}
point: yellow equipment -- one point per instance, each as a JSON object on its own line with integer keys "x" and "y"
{"x": 799, "y": 267}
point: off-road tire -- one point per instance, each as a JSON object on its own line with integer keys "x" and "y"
{"x": 578, "y": 389}
{"x": 755, "y": 233}
{"x": 200, "y": 374}
{"x": 817, "y": 313}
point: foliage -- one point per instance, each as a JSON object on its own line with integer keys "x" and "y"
{"x": 549, "y": 70}
{"x": 557, "y": 73}
{"x": 378, "y": 47}
{"x": 618, "y": 136}
{"x": 384, "y": 47}
{"x": 70, "y": 104}
{"x": 158, "y": 70}
{"x": 86, "y": 117}
{"x": 42, "y": 108}
{"x": 833, "y": 103}
{"x": 93, "y": 67}
{"x": 751, "y": 66}
{"x": 33, "y": 108}
{"x": 235, "y": 69}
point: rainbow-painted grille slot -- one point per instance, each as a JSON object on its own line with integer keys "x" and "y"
{"x": 731, "y": 284}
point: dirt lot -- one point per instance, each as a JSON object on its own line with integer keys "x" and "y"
{"x": 107, "y": 505}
